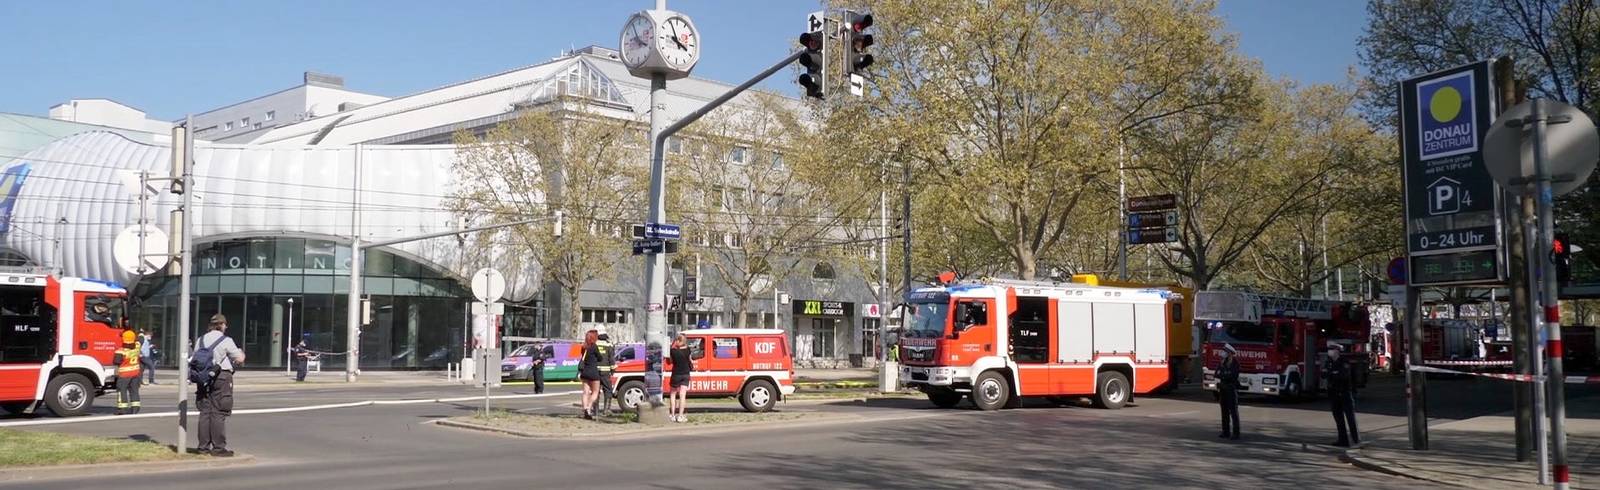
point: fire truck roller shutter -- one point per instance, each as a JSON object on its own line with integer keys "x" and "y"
{"x": 1112, "y": 332}
{"x": 1076, "y": 337}
{"x": 1150, "y": 332}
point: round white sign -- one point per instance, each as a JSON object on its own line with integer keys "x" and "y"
{"x": 488, "y": 285}
{"x": 126, "y": 249}
{"x": 1571, "y": 148}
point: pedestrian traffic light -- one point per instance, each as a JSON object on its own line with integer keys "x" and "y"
{"x": 857, "y": 42}
{"x": 1561, "y": 256}
{"x": 815, "y": 78}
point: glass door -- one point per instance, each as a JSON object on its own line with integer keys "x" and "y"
{"x": 287, "y": 317}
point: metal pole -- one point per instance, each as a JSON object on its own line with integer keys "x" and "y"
{"x": 352, "y": 334}
{"x": 288, "y": 340}
{"x": 1122, "y": 215}
{"x": 905, "y": 241}
{"x": 1551, "y": 296}
{"x": 1416, "y": 384}
{"x": 883, "y": 264}
{"x": 186, "y": 236}
{"x": 1536, "y": 348}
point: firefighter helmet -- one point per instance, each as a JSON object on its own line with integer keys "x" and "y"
{"x": 128, "y": 337}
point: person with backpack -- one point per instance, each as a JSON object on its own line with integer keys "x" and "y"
{"x": 211, "y": 369}
{"x": 127, "y": 361}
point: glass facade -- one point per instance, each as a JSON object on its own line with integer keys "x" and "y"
{"x": 279, "y": 289}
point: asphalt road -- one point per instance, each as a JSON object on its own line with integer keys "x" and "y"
{"x": 1161, "y": 442}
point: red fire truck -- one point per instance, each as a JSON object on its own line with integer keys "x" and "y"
{"x": 57, "y": 337}
{"x": 1281, "y": 342}
{"x": 996, "y": 342}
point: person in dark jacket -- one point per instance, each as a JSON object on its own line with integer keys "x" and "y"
{"x": 536, "y": 371}
{"x": 589, "y": 372}
{"x": 302, "y": 358}
{"x": 1342, "y": 395}
{"x": 1228, "y": 391}
{"x": 608, "y": 364}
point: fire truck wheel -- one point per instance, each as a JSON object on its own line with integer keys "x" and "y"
{"x": 69, "y": 395}
{"x": 758, "y": 396}
{"x": 1111, "y": 390}
{"x": 15, "y": 408}
{"x": 990, "y": 391}
{"x": 630, "y": 395}
{"x": 944, "y": 399}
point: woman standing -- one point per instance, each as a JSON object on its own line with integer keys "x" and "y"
{"x": 589, "y": 372}
{"x": 682, "y": 365}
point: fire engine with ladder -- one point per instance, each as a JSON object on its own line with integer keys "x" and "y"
{"x": 57, "y": 338}
{"x": 996, "y": 342}
{"x": 1281, "y": 342}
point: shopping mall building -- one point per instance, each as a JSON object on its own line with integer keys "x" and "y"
{"x": 285, "y": 181}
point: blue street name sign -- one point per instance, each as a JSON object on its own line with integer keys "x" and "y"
{"x": 662, "y": 230}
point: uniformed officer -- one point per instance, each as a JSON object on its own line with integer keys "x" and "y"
{"x": 608, "y": 364}
{"x": 1228, "y": 391}
{"x": 128, "y": 373}
{"x": 1342, "y": 395}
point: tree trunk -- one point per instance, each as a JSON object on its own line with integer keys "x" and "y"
{"x": 569, "y": 295}
{"x": 1027, "y": 266}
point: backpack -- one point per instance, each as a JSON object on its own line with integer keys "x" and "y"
{"x": 202, "y": 367}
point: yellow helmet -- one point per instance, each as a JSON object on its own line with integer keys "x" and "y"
{"x": 128, "y": 337}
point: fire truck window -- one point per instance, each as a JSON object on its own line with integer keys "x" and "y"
{"x": 626, "y": 355}
{"x": 1030, "y": 331}
{"x": 727, "y": 348}
{"x": 1285, "y": 335}
{"x": 101, "y": 309}
{"x": 27, "y": 331}
{"x": 697, "y": 348}
{"x": 974, "y": 313}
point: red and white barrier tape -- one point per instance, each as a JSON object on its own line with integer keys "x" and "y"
{"x": 1526, "y": 378}
{"x": 1468, "y": 363}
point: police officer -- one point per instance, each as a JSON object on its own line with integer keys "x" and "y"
{"x": 608, "y": 364}
{"x": 128, "y": 373}
{"x": 1228, "y": 391}
{"x": 302, "y": 357}
{"x": 536, "y": 372}
{"x": 1341, "y": 394}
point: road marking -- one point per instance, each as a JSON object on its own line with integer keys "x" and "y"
{"x": 101, "y": 418}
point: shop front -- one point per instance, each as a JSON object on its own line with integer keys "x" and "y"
{"x": 822, "y": 333}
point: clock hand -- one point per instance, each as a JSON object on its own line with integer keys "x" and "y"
{"x": 675, "y": 37}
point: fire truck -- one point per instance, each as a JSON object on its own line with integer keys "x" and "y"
{"x": 57, "y": 338}
{"x": 1181, "y": 348}
{"x": 1281, "y": 342}
{"x": 997, "y": 341}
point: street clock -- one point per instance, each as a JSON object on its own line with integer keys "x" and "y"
{"x": 660, "y": 42}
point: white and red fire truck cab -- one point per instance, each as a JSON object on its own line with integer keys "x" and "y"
{"x": 1281, "y": 342}
{"x": 57, "y": 338}
{"x": 753, "y": 364}
{"x": 998, "y": 341}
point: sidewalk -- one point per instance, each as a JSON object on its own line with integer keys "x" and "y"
{"x": 1481, "y": 452}
{"x": 169, "y": 377}
{"x": 806, "y": 375}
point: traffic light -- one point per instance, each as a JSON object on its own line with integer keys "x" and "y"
{"x": 857, "y": 42}
{"x": 1561, "y": 256}
{"x": 815, "y": 78}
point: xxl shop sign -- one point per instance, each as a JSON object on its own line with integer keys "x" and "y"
{"x": 824, "y": 308}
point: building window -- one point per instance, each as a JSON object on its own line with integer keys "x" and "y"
{"x": 822, "y": 338}
{"x": 255, "y": 126}
{"x": 822, "y": 271}
{"x": 777, "y": 160}
{"x": 271, "y": 115}
{"x": 692, "y": 319}
{"x": 674, "y": 145}
{"x": 605, "y": 316}
{"x": 738, "y": 154}
{"x": 227, "y": 126}
{"x": 244, "y": 123}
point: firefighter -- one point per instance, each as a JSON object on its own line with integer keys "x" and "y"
{"x": 128, "y": 373}
{"x": 608, "y": 364}
{"x": 1228, "y": 391}
{"x": 1342, "y": 395}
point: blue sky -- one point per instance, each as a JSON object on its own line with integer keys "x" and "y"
{"x": 178, "y": 56}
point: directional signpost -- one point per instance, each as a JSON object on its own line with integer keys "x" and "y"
{"x": 656, "y": 238}
{"x": 1153, "y": 219}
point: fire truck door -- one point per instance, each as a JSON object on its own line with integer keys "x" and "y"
{"x": 1311, "y": 350}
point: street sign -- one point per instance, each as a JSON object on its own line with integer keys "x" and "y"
{"x": 129, "y": 243}
{"x": 488, "y": 285}
{"x": 662, "y": 230}
{"x": 649, "y": 246}
{"x": 816, "y": 20}
{"x": 858, "y": 84}
{"x": 1451, "y": 203}
{"x": 691, "y": 289}
{"x": 1571, "y": 148}
{"x": 1158, "y": 219}
{"x": 1160, "y": 202}
{"x": 481, "y": 308}
{"x": 1153, "y": 235}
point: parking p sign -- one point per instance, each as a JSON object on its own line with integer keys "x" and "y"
{"x": 1452, "y": 204}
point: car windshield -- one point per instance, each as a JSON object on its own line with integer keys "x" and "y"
{"x": 928, "y": 320}
{"x": 1239, "y": 332}
{"x": 524, "y": 351}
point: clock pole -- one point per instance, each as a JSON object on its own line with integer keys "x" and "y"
{"x": 655, "y": 264}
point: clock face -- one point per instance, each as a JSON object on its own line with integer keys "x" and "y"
{"x": 678, "y": 43}
{"x": 636, "y": 37}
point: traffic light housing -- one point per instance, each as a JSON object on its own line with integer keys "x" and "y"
{"x": 1561, "y": 257}
{"x": 814, "y": 80}
{"x": 856, "y": 43}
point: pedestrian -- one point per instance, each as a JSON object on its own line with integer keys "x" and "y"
{"x": 1228, "y": 391}
{"x": 682, "y": 365}
{"x": 129, "y": 378}
{"x": 215, "y": 397}
{"x": 589, "y": 372}
{"x": 1342, "y": 397}
{"x": 302, "y": 357}
{"x": 147, "y": 356}
{"x": 608, "y": 364}
{"x": 540, "y": 354}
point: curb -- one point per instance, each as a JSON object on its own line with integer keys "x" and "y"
{"x": 652, "y": 431}
{"x": 69, "y": 471}
{"x": 1354, "y": 458}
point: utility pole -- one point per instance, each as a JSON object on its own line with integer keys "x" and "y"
{"x": 883, "y": 264}
{"x": 1550, "y": 294}
{"x": 183, "y": 165}
{"x": 1517, "y": 253}
{"x": 905, "y": 240}
{"x": 1122, "y": 214}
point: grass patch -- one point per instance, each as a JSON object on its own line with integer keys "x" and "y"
{"x": 21, "y": 448}
{"x": 547, "y": 424}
